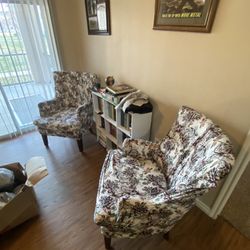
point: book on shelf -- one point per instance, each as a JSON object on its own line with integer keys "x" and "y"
{"x": 126, "y": 120}
{"x": 111, "y": 112}
{"x": 112, "y": 130}
{"x": 110, "y": 144}
{"x": 114, "y": 114}
{"x": 113, "y": 145}
{"x": 102, "y": 122}
{"x": 110, "y": 97}
{"x": 100, "y": 105}
{"x": 101, "y": 134}
{"x": 102, "y": 139}
{"x": 103, "y": 143}
{"x": 120, "y": 89}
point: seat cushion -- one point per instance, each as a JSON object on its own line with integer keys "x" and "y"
{"x": 64, "y": 123}
{"x": 124, "y": 176}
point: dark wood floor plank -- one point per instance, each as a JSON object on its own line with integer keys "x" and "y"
{"x": 67, "y": 200}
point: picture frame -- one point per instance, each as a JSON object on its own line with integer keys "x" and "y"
{"x": 98, "y": 17}
{"x": 185, "y": 15}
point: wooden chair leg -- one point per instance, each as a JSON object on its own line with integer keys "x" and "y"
{"x": 80, "y": 145}
{"x": 166, "y": 236}
{"x": 45, "y": 140}
{"x": 107, "y": 242}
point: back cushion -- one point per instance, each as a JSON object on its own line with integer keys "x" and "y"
{"x": 74, "y": 88}
{"x": 195, "y": 152}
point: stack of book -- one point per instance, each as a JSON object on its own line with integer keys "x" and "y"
{"x": 117, "y": 92}
{"x": 119, "y": 89}
{"x": 115, "y": 99}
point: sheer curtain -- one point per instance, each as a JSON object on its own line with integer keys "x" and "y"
{"x": 35, "y": 26}
{"x": 28, "y": 56}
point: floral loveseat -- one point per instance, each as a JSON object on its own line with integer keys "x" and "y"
{"x": 146, "y": 187}
{"x": 70, "y": 114}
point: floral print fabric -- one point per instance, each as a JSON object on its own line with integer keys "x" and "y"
{"x": 146, "y": 187}
{"x": 70, "y": 113}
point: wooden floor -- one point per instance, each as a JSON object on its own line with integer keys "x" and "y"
{"x": 67, "y": 200}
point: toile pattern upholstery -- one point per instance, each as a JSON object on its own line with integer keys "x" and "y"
{"x": 146, "y": 187}
{"x": 70, "y": 113}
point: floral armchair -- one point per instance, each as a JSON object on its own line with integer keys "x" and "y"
{"x": 146, "y": 187}
{"x": 70, "y": 113}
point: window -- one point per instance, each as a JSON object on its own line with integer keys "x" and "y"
{"x": 28, "y": 56}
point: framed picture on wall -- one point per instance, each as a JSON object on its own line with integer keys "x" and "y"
{"x": 185, "y": 15}
{"x": 98, "y": 17}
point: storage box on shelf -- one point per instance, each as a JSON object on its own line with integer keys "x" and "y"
{"x": 113, "y": 126}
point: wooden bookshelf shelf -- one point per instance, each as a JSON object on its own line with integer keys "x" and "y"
{"x": 113, "y": 126}
{"x": 109, "y": 120}
{"x": 124, "y": 130}
{"x": 111, "y": 138}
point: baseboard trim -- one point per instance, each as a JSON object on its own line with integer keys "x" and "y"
{"x": 203, "y": 207}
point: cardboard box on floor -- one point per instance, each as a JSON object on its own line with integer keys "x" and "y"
{"x": 24, "y": 205}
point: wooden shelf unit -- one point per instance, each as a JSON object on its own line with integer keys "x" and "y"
{"x": 113, "y": 125}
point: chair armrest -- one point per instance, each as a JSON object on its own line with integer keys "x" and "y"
{"x": 85, "y": 115}
{"x": 139, "y": 148}
{"x": 186, "y": 195}
{"x": 136, "y": 206}
{"x": 161, "y": 207}
{"x": 49, "y": 107}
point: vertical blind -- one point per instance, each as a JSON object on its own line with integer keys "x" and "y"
{"x": 28, "y": 56}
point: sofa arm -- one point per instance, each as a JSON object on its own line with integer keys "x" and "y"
{"x": 85, "y": 114}
{"x": 138, "y": 207}
{"x": 139, "y": 148}
{"x": 49, "y": 107}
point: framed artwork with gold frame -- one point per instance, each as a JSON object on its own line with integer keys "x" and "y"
{"x": 185, "y": 15}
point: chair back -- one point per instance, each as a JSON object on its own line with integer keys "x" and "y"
{"x": 196, "y": 152}
{"x": 74, "y": 88}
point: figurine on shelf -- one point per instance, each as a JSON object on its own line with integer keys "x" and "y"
{"x": 109, "y": 81}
